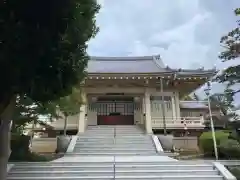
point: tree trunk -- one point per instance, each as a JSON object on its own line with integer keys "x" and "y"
{"x": 65, "y": 126}
{"x": 5, "y": 150}
{"x": 32, "y": 133}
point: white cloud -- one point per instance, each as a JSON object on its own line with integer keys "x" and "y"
{"x": 185, "y": 33}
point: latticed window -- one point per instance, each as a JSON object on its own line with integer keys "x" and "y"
{"x": 107, "y": 107}
{"x": 157, "y": 100}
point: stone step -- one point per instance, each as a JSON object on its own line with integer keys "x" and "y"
{"x": 95, "y": 138}
{"x": 111, "y": 154}
{"x": 97, "y": 134}
{"x": 66, "y": 168}
{"x": 60, "y": 173}
{"x": 147, "y": 144}
{"x": 78, "y": 144}
{"x": 152, "y": 161}
{"x": 162, "y": 167}
{"x": 106, "y": 146}
{"x": 169, "y": 177}
{"x": 109, "y": 177}
{"x": 95, "y": 141}
{"x": 133, "y": 172}
{"x": 116, "y": 148}
{"x": 115, "y": 151}
{"x": 117, "y": 139}
{"x": 116, "y": 144}
{"x": 88, "y": 163}
{"x": 133, "y": 139}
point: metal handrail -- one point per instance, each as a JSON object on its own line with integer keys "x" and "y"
{"x": 114, "y": 169}
{"x": 114, "y": 160}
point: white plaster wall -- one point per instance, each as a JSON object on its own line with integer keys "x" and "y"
{"x": 91, "y": 116}
{"x": 72, "y": 123}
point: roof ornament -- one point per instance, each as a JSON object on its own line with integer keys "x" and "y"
{"x": 201, "y": 68}
{"x": 215, "y": 67}
{"x": 180, "y": 69}
{"x": 158, "y": 57}
{"x": 174, "y": 76}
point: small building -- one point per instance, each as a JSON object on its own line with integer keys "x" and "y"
{"x": 139, "y": 91}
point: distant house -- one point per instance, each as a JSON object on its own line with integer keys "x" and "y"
{"x": 200, "y": 108}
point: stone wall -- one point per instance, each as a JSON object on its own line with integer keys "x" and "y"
{"x": 44, "y": 145}
{"x": 186, "y": 143}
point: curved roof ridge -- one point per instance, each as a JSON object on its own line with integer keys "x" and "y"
{"x": 121, "y": 58}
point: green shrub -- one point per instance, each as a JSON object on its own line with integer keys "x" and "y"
{"x": 19, "y": 145}
{"x": 235, "y": 171}
{"x": 206, "y": 141}
{"x": 234, "y": 135}
{"x": 229, "y": 148}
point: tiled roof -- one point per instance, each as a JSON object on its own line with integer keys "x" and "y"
{"x": 143, "y": 64}
{"x": 138, "y": 64}
{"x": 193, "y": 105}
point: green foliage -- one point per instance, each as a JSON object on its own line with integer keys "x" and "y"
{"x": 229, "y": 148}
{"x": 231, "y": 45}
{"x": 24, "y": 113}
{"x": 235, "y": 171}
{"x": 20, "y": 149}
{"x": 70, "y": 105}
{"x": 19, "y": 146}
{"x": 237, "y": 11}
{"x": 43, "y": 47}
{"x": 206, "y": 141}
{"x": 224, "y": 103}
{"x": 27, "y": 111}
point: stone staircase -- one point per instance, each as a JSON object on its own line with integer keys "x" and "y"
{"x": 118, "y": 170}
{"x": 110, "y": 140}
{"x": 115, "y": 153}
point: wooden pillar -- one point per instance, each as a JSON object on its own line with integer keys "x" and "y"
{"x": 148, "y": 119}
{"x": 173, "y": 106}
{"x": 177, "y": 103}
{"x": 81, "y": 121}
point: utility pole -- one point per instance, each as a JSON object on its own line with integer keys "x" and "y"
{"x": 207, "y": 91}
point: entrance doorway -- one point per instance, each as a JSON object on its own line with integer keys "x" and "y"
{"x": 115, "y": 111}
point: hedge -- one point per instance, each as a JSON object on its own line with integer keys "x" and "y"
{"x": 20, "y": 149}
{"x": 19, "y": 146}
{"x": 206, "y": 141}
{"x": 229, "y": 149}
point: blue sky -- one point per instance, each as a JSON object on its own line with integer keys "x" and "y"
{"x": 186, "y": 33}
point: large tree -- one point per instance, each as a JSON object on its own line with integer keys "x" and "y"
{"x": 231, "y": 45}
{"x": 42, "y": 53}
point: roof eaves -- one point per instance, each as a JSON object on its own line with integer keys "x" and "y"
{"x": 127, "y": 58}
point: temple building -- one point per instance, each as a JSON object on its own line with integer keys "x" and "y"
{"x": 139, "y": 91}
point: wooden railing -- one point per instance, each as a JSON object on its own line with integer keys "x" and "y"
{"x": 179, "y": 123}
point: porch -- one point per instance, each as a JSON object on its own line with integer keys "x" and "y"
{"x": 147, "y": 108}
